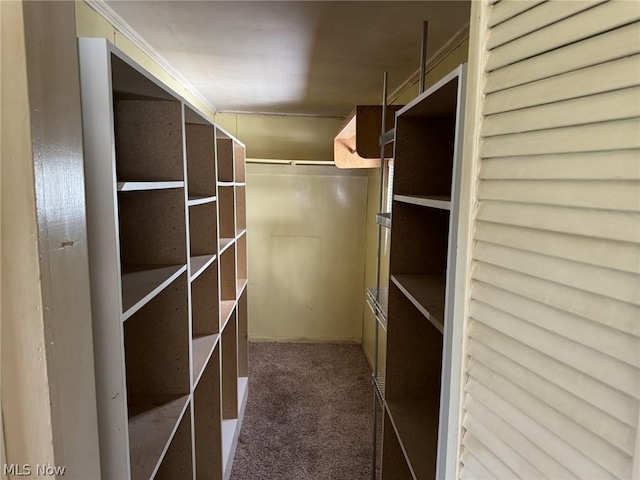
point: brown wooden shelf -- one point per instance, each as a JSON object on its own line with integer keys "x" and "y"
{"x": 153, "y": 420}
{"x": 426, "y": 292}
{"x": 416, "y": 425}
{"x": 357, "y": 144}
{"x": 141, "y": 283}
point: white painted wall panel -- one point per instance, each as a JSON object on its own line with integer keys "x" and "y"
{"x": 306, "y": 259}
{"x": 552, "y": 339}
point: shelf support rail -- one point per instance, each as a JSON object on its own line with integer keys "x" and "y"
{"x": 379, "y": 251}
{"x": 423, "y": 56}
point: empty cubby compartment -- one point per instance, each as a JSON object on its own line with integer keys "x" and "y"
{"x": 201, "y": 168}
{"x": 152, "y": 227}
{"x": 224, "y": 149}
{"x": 226, "y": 211}
{"x": 203, "y": 229}
{"x": 148, "y": 140}
{"x": 208, "y": 419}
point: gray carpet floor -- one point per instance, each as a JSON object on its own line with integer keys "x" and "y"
{"x": 308, "y": 416}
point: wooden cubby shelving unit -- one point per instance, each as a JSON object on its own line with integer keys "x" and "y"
{"x": 428, "y": 138}
{"x": 166, "y": 219}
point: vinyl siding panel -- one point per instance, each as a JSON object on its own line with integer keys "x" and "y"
{"x": 552, "y": 339}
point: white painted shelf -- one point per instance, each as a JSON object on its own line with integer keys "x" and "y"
{"x": 199, "y": 264}
{"x": 416, "y": 424}
{"x": 138, "y": 186}
{"x": 141, "y": 283}
{"x": 226, "y": 308}
{"x": 202, "y": 347}
{"x": 426, "y": 292}
{"x": 153, "y": 421}
{"x": 225, "y": 243}
{"x": 197, "y": 200}
{"x": 440, "y": 202}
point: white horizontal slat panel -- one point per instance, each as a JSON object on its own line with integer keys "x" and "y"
{"x": 607, "y": 370}
{"x": 602, "y": 18}
{"x": 535, "y": 19}
{"x": 553, "y": 331}
{"x": 553, "y": 326}
{"x": 597, "y": 421}
{"x": 621, "y": 226}
{"x": 592, "y": 251}
{"x": 591, "y": 446}
{"x": 618, "y": 165}
{"x": 620, "y": 315}
{"x": 473, "y": 469}
{"x": 607, "y": 341}
{"x": 604, "y": 107}
{"x": 521, "y": 467}
{"x": 564, "y": 453}
{"x": 545, "y": 464}
{"x": 618, "y": 135}
{"x": 601, "y": 281}
{"x": 605, "y": 77}
{"x": 489, "y": 460}
{"x": 605, "y": 47}
{"x": 602, "y": 195}
{"x": 505, "y": 10}
{"x": 620, "y": 406}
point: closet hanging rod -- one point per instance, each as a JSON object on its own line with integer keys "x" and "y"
{"x": 270, "y": 161}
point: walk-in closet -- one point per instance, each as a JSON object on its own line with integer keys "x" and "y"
{"x": 320, "y": 240}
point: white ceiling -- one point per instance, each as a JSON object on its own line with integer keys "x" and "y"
{"x": 298, "y": 57}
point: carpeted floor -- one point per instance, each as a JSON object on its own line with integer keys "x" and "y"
{"x": 308, "y": 416}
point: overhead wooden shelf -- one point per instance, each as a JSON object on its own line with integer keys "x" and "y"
{"x": 356, "y": 145}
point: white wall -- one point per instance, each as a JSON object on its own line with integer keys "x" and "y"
{"x": 306, "y": 231}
